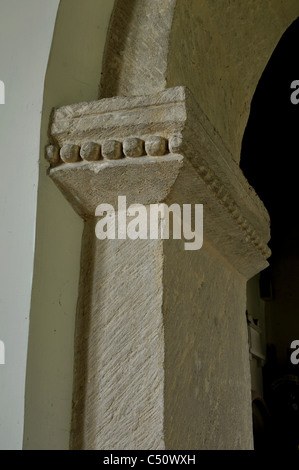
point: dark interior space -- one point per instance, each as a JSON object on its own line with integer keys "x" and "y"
{"x": 269, "y": 161}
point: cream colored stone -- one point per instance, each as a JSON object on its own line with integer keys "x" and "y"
{"x": 161, "y": 339}
{"x": 176, "y": 113}
{"x": 112, "y": 150}
{"x": 87, "y": 184}
{"x": 175, "y": 143}
{"x": 133, "y": 147}
{"x": 217, "y": 49}
{"x": 162, "y": 357}
{"x": 69, "y": 153}
{"x": 90, "y": 151}
{"x": 135, "y": 60}
{"x": 155, "y": 146}
{"x": 207, "y": 387}
{"x": 52, "y": 154}
{"x": 119, "y": 374}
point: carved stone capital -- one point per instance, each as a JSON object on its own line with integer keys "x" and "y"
{"x": 158, "y": 148}
{"x": 161, "y": 342}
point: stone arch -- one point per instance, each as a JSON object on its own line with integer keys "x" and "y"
{"x": 135, "y": 60}
{"x": 217, "y": 49}
{"x": 153, "y": 51}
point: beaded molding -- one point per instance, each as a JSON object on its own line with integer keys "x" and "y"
{"x": 152, "y": 146}
{"x": 222, "y": 194}
{"x": 132, "y": 147}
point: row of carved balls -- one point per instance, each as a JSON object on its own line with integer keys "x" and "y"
{"x": 153, "y": 146}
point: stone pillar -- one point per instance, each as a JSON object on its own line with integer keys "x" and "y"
{"x": 161, "y": 358}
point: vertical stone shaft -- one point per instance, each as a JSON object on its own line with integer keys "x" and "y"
{"x": 119, "y": 382}
{"x": 161, "y": 356}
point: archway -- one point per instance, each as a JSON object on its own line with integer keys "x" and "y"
{"x": 268, "y": 160}
{"x": 219, "y": 31}
{"x": 217, "y": 49}
{"x": 218, "y": 102}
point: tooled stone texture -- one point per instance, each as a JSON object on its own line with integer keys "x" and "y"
{"x": 90, "y": 151}
{"x": 206, "y": 335}
{"x": 119, "y": 373}
{"x": 122, "y": 128}
{"x": 132, "y": 147}
{"x": 142, "y": 303}
{"x": 217, "y": 49}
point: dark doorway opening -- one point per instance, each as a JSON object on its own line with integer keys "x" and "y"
{"x": 270, "y": 151}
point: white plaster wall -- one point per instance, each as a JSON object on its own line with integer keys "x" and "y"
{"x": 26, "y": 29}
{"x": 39, "y": 233}
{"x": 73, "y": 75}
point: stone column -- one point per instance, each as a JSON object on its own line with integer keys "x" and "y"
{"x": 161, "y": 358}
